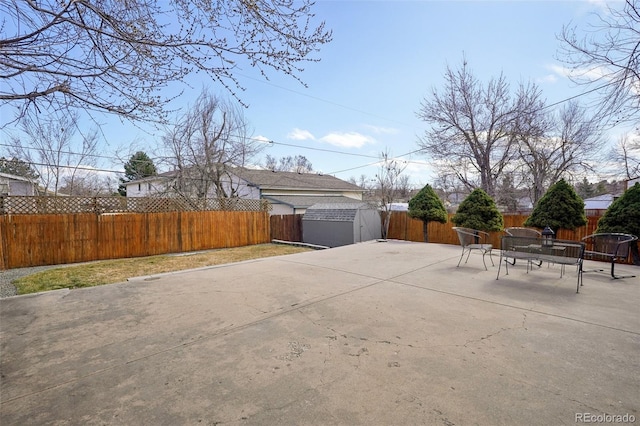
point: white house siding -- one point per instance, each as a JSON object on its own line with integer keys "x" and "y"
{"x": 281, "y": 209}
{"x": 155, "y": 186}
{"x": 278, "y": 188}
{"x": 16, "y": 185}
{"x": 144, "y": 189}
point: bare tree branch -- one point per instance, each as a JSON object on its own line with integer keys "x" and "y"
{"x": 555, "y": 146}
{"x": 609, "y": 54}
{"x": 49, "y": 142}
{"x": 388, "y": 181}
{"x": 206, "y": 143}
{"x": 118, "y": 56}
{"x": 471, "y": 125}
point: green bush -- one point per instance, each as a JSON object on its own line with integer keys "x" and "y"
{"x": 623, "y": 215}
{"x": 479, "y": 211}
{"x": 428, "y": 207}
{"x": 559, "y": 208}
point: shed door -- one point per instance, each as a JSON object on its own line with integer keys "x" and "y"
{"x": 370, "y": 225}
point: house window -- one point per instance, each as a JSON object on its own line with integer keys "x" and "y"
{"x": 139, "y": 188}
{"x": 149, "y": 186}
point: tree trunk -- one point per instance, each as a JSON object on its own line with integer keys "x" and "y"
{"x": 425, "y": 231}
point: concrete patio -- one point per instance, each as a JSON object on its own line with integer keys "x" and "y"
{"x": 388, "y": 333}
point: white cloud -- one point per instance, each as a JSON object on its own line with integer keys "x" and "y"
{"x": 602, "y": 5}
{"x": 560, "y": 70}
{"x": 382, "y": 130}
{"x": 593, "y": 74}
{"x": 347, "y": 140}
{"x": 421, "y": 173}
{"x": 549, "y": 78}
{"x": 262, "y": 139}
{"x": 300, "y": 135}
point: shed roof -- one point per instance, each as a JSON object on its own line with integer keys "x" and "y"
{"x": 336, "y": 212}
{"x": 306, "y": 201}
{"x": 15, "y": 177}
{"x": 599, "y": 202}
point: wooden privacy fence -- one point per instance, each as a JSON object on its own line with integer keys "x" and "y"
{"x": 287, "y": 227}
{"x": 402, "y": 227}
{"x": 32, "y": 240}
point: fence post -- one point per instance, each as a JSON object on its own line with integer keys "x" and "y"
{"x": 3, "y": 241}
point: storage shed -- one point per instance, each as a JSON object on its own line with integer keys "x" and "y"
{"x": 339, "y": 224}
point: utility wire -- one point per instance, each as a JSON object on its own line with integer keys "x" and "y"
{"x": 272, "y": 142}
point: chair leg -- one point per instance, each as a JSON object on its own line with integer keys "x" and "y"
{"x": 617, "y": 277}
{"x": 491, "y": 258}
{"x": 461, "y": 256}
{"x": 579, "y": 278}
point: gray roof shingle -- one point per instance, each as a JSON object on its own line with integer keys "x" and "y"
{"x": 267, "y": 179}
{"x": 271, "y": 180}
{"x": 341, "y": 212}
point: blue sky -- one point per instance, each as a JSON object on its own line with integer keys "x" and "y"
{"x": 385, "y": 57}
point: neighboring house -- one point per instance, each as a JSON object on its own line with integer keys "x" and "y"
{"x": 632, "y": 182}
{"x": 287, "y": 192}
{"x": 150, "y": 186}
{"x": 398, "y": 207}
{"x": 16, "y": 185}
{"x": 600, "y": 202}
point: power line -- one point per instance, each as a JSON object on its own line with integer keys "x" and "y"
{"x": 61, "y": 152}
{"x": 316, "y": 98}
{"x": 595, "y": 89}
{"x": 272, "y": 142}
{"x": 90, "y": 169}
{"x": 320, "y": 149}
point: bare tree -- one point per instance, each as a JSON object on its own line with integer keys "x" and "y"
{"x": 508, "y": 193}
{"x": 608, "y": 57}
{"x": 206, "y": 143}
{"x": 88, "y": 183}
{"x": 118, "y": 56}
{"x": 50, "y": 143}
{"x": 471, "y": 128}
{"x": 556, "y": 146}
{"x": 363, "y": 181}
{"x": 298, "y": 164}
{"x": 404, "y": 187}
{"x": 387, "y": 182}
{"x": 626, "y": 153}
{"x": 447, "y": 185}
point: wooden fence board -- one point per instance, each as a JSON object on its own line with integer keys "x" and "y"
{"x": 3, "y": 242}
{"x": 402, "y": 227}
{"x": 32, "y": 240}
{"x": 286, "y": 227}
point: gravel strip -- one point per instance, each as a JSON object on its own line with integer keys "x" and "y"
{"x": 6, "y": 277}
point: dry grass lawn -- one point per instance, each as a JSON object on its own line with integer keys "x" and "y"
{"x": 114, "y": 271}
